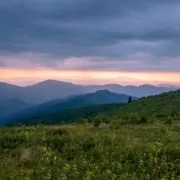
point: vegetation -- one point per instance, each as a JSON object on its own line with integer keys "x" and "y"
{"x": 139, "y": 140}
{"x": 163, "y": 106}
{"x": 87, "y": 151}
{"x": 85, "y": 114}
{"x": 130, "y": 99}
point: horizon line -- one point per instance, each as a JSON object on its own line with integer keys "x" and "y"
{"x": 25, "y": 77}
{"x": 101, "y": 84}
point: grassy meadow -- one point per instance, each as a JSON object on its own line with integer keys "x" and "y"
{"x": 91, "y": 151}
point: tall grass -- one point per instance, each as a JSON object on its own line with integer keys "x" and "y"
{"x": 75, "y": 152}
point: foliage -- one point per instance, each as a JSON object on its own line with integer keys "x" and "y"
{"x": 139, "y": 140}
{"x": 82, "y": 151}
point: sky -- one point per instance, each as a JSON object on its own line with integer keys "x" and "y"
{"x": 90, "y": 41}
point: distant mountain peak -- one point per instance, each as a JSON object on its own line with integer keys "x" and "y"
{"x": 8, "y": 85}
{"x": 103, "y": 91}
{"x": 51, "y": 81}
{"x": 147, "y": 85}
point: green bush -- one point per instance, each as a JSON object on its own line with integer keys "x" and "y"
{"x": 168, "y": 121}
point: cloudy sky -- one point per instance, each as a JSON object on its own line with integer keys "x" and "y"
{"x": 90, "y": 41}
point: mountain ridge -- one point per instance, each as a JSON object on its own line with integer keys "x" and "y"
{"x": 79, "y": 101}
{"x": 52, "y": 89}
{"x": 165, "y": 107}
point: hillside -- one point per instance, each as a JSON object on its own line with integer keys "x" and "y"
{"x": 83, "y": 114}
{"x": 12, "y": 105}
{"x": 51, "y": 89}
{"x": 8, "y": 91}
{"x": 55, "y": 106}
{"x": 162, "y": 107}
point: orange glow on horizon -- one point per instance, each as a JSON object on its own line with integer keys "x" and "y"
{"x": 29, "y": 76}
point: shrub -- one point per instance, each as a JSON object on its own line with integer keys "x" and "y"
{"x": 97, "y": 123}
{"x": 143, "y": 119}
{"x": 168, "y": 121}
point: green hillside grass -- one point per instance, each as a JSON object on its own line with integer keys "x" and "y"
{"x": 163, "y": 106}
{"x": 85, "y": 152}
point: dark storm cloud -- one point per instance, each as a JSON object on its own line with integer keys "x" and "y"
{"x": 117, "y": 29}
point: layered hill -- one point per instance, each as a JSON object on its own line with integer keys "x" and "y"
{"x": 164, "y": 106}
{"x": 8, "y": 91}
{"x": 14, "y": 98}
{"x": 11, "y": 105}
{"x": 137, "y": 91}
{"x": 98, "y": 98}
{"x": 40, "y": 92}
{"x": 51, "y": 89}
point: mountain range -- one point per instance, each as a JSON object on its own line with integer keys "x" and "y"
{"x": 51, "y": 89}
{"x": 72, "y": 102}
{"x": 165, "y": 106}
{"x": 52, "y": 95}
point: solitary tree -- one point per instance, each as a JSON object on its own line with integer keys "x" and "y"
{"x": 130, "y": 99}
